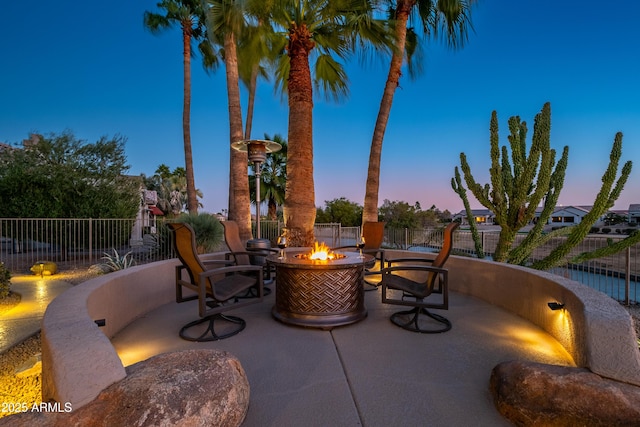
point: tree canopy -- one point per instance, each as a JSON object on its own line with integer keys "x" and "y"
{"x": 341, "y": 211}
{"x": 60, "y": 176}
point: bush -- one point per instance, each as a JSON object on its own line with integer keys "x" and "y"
{"x": 606, "y": 230}
{"x": 594, "y": 230}
{"x": 5, "y": 281}
{"x": 209, "y": 231}
{"x": 115, "y": 262}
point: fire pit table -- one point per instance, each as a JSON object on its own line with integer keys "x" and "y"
{"x": 319, "y": 293}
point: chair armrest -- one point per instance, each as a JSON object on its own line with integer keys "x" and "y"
{"x": 389, "y": 270}
{"x": 408, "y": 259}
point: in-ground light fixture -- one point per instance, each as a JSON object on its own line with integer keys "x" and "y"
{"x": 553, "y": 305}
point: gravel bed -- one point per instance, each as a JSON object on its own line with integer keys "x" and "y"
{"x": 20, "y": 366}
{"x": 21, "y": 376}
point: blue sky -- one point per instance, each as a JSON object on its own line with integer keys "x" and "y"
{"x": 93, "y": 69}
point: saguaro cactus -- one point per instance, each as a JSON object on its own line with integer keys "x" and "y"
{"x": 521, "y": 182}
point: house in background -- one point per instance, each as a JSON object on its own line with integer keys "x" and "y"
{"x": 569, "y": 214}
{"x": 634, "y": 214}
{"x": 481, "y": 217}
{"x": 146, "y": 218}
{"x": 562, "y": 215}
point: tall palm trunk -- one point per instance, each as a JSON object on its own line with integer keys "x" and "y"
{"x": 239, "y": 201}
{"x": 370, "y": 209}
{"x": 192, "y": 200}
{"x": 253, "y": 83}
{"x": 299, "y": 203}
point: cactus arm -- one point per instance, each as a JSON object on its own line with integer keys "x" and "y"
{"x": 456, "y": 184}
{"x": 610, "y": 249}
{"x": 604, "y": 200}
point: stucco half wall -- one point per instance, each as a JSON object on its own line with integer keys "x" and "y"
{"x": 78, "y": 360}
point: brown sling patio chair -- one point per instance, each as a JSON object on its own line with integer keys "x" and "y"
{"x": 373, "y": 233}
{"x": 239, "y": 255}
{"x": 412, "y": 281}
{"x": 216, "y": 288}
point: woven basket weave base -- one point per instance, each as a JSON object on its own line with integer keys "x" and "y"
{"x": 319, "y": 298}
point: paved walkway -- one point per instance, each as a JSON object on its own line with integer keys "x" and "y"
{"x": 25, "y": 319}
{"x": 370, "y": 373}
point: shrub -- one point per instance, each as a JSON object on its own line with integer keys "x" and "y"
{"x": 208, "y": 230}
{"x": 5, "y": 281}
{"x": 606, "y": 230}
{"x": 594, "y": 230}
{"x": 115, "y": 262}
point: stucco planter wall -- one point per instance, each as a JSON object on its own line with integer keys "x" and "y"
{"x": 78, "y": 360}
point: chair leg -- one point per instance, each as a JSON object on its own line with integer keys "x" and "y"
{"x": 412, "y": 323}
{"x": 253, "y": 293}
{"x": 210, "y": 334}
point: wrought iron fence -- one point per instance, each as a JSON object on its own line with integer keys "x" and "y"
{"x": 79, "y": 243}
{"x": 617, "y": 275}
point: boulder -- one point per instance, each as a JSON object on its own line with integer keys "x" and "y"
{"x": 186, "y": 388}
{"x": 534, "y": 394}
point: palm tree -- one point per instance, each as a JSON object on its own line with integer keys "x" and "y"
{"x": 449, "y": 18}
{"x": 189, "y": 15}
{"x": 255, "y": 47}
{"x": 274, "y": 179}
{"x": 171, "y": 189}
{"x": 329, "y": 29}
{"x": 225, "y": 21}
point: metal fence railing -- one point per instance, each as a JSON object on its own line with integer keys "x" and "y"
{"x": 617, "y": 275}
{"x": 81, "y": 242}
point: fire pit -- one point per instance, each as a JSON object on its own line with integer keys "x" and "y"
{"x": 319, "y": 293}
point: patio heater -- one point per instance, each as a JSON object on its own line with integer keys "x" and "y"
{"x": 257, "y": 150}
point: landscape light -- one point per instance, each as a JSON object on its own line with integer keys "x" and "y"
{"x": 555, "y": 305}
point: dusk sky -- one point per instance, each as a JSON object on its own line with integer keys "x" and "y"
{"x": 92, "y": 68}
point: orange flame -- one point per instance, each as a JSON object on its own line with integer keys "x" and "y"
{"x": 321, "y": 252}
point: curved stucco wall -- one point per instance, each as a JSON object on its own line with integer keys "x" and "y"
{"x": 78, "y": 360}
{"x": 596, "y": 330}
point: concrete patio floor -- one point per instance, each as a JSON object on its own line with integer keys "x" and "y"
{"x": 370, "y": 373}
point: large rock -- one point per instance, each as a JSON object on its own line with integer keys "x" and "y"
{"x": 534, "y": 394}
{"x": 187, "y": 388}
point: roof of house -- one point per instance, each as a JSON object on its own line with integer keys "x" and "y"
{"x": 156, "y": 211}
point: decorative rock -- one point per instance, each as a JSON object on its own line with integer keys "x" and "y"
{"x": 534, "y": 394}
{"x": 187, "y": 388}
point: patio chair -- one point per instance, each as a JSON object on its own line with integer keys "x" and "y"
{"x": 216, "y": 289}
{"x": 416, "y": 279}
{"x": 240, "y": 255}
{"x": 373, "y": 233}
